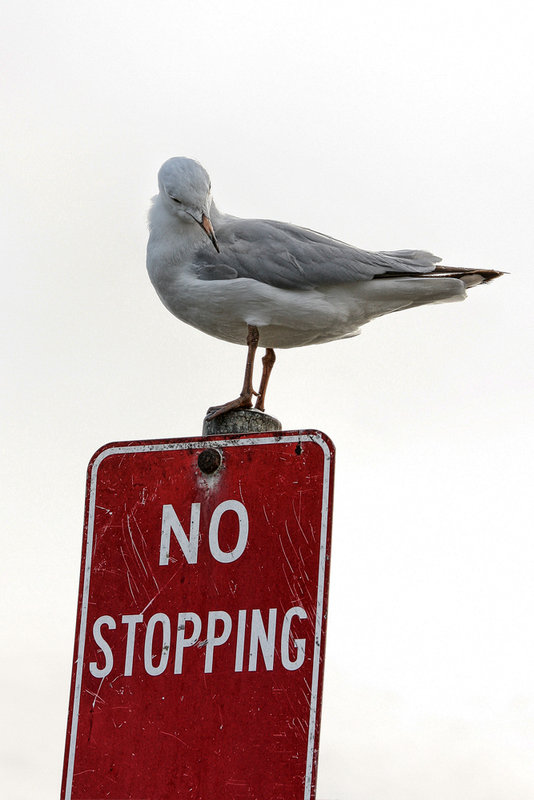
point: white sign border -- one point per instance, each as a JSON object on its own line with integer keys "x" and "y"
{"x": 317, "y": 438}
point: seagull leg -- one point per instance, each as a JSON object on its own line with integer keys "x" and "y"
{"x": 245, "y": 398}
{"x": 268, "y": 363}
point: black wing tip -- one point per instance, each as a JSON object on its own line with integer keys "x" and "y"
{"x": 487, "y": 275}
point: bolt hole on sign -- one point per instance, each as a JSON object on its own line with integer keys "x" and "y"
{"x": 199, "y": 651}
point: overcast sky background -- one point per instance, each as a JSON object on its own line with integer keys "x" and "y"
{"x": 385, "y": 124}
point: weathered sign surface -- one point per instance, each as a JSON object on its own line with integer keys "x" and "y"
{"x": 199, "y": 648}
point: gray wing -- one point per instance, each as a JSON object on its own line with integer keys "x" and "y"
{"x": 215, "y": 272}
{"x": 290, "y": 257}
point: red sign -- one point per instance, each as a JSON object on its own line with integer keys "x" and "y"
{"x": 199, "y": 650}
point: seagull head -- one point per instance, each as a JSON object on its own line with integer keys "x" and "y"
{"x": 185, "y": 189}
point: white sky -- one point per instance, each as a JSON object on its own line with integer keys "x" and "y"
{"x": 385, "y": 124}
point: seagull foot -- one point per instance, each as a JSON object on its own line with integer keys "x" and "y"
{"x": 243, "y": 401}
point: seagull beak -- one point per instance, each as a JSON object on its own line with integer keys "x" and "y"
{"x": 208, "y": 228}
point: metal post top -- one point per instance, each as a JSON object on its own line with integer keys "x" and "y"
{"x": 241, "y": 420}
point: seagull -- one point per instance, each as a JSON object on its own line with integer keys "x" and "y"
{"x": 258, "y": 282}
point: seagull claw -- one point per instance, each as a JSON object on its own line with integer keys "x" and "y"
{"x": 243, "y": 401}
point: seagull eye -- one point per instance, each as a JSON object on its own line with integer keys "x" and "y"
{"x": 176, "y": 200}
